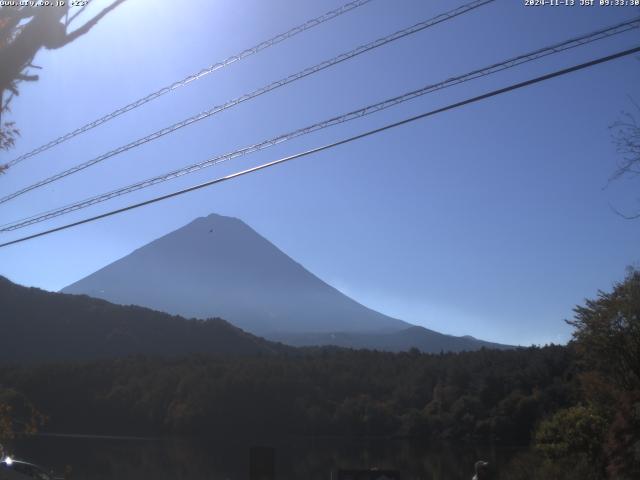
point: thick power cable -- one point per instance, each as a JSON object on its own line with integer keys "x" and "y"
{"x": 190, "y": 78}
{"x": 263, "y": 166}
{"x": 494, "y": 68}
{"x": 256, "y": 93}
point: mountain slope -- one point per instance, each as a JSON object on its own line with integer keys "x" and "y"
{"x": 44, "y": 326}
{"x": 219, "y": 267}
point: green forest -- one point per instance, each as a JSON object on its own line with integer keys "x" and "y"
{"x": 578, "y": 405}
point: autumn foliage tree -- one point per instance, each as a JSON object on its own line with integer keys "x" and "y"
{"x": 607, "y": 333}
{"x": 605, "y": 427}
{"x": 608, "y": 336}
{"x": 17, "y": 415}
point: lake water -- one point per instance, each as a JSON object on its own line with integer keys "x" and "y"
{"x": 93, "y": 458}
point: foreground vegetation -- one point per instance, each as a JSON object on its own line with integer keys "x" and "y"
{"x": 578, "y": 405}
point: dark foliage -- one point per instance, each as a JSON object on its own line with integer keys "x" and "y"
{"x": 607, "y": 333}
{"x": 579, "y": 404}
{"x": 17, "y": 415}
{"x": 603, "y": 429}
{"x": 499, "y": 395}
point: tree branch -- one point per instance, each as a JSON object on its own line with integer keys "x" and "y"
{"x": 79, "y": 12}
{"x": 70, "y": 37}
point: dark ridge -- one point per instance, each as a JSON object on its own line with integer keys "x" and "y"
{"x": 43, "y": 326}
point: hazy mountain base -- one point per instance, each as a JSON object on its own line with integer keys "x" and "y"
{"x": 421, "y": 338}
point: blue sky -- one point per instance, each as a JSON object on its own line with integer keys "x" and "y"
{"x": 492, "y": 220}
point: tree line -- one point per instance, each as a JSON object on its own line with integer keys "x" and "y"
{"x": 577, "y": 405}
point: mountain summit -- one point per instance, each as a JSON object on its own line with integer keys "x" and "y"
{"x": 218, "y": 266}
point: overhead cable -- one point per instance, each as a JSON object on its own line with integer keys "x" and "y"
{"x": 192, "y": 77}
{"x": 352, "y": 115}
{"x": 248, "y": 96}
{"x": 279, "y": 161}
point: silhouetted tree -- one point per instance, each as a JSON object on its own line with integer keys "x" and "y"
{"x": 604, "y": 428}
{"x": 626, "y": 136}
{"x": 24, "y": 31}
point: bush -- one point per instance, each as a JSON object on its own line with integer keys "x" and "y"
{"x": 572, "y": 432}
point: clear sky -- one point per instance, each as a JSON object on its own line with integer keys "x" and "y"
{"x": 492, "y": 220}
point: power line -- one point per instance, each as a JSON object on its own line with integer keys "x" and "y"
{"x": 263, "y": 166}
{"x": 190, "y": 78}
{"x": 373, "y": 108}
{"x": 256, "y": 93}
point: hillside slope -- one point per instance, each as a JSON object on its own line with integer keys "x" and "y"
{"x": 44, "y": 326}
